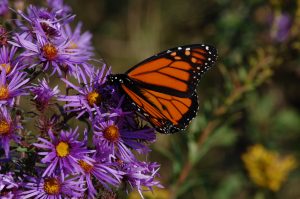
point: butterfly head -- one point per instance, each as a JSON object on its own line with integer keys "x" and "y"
{"x": 110, "y": 78}
{"x": 116, "y": 78}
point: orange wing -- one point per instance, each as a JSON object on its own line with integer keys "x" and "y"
{"x": 166, "y": 112}
{"x": 163, "y": 86}
{"x": 176, "y": 71}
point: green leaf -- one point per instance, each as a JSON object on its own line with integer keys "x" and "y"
{"x": 196, "y": 125}
{"x": 225, "y": 136}
{"x": 193, "y": 151}
{"x": 287, "y": 119}
{"x": 21, "y": 149}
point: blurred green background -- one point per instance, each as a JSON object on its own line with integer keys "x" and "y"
{"x": 250, "y": 97}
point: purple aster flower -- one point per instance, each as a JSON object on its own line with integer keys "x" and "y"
{"x": 89, "y": 96}
{"x": 54, "y": 187}
{"x": 8, "y": 130}
{"x": 141, "y": 174}
{"x": 120, "y": 139}
{"x": 99, "y": 169}
{"x": 78, "y": 40}
{"x": 282, "y": 25}
{"x": 63, "y": 152}
{"x": 9, "y": 89}
{"x": 43, "y": 94}
{"x": 8, "y": 186}
{"x": 3, "y": 7}
{"x": 43, "y": 22}
{"x": 8, "y": 62}
{"x": 57, "y": 57}
{"x": 102, "y": 171}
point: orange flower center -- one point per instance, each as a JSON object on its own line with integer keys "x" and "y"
{"x": 4, "y": 94}
{"x": 51, "y": 186}
{"x": 111, "y": 133}
{"x": 85, "y": 166}
{"x": 62, "y": 149}
{"x": 50, "y": 51}
{"x": 4, "y": 127}
{"x": 93, "y": 98}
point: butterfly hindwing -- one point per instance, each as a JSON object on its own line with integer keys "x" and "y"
{"x": 181, "y": 66}
{"x": 167, "y": 113}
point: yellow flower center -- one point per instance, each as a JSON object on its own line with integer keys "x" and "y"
{"x": 51, "y": 186}
{"x": 62, "y": 149}
{"x": 111, "y": 133}
{"x": 4, "y": 127}
{"x": 93, "y": 98}
{"x": 85, "y": 166}
{"x": 50, "y": 51}
{"x": 7, "y": 67}
{"x": 4, "y": 94}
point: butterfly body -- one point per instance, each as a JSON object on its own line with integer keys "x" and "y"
{"x": 162, "y": 87}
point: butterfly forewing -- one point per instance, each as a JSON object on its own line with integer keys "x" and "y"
{"x": 176, "y": 71}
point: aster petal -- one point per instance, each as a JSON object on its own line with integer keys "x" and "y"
{"x": 5, "y": 144}
{"x": 29, "y": 194}
{"x": 72, "y": 85}
{"x": 45, "y": 146}
{"x": 3, "y": 77}
{"x": 27, "y": 44}
{"x": 50, "y": 168}
{"x": 45, "y": 141}
{"x": 92, "y": 191}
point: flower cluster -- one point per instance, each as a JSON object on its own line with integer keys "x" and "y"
{"x": 267, "y": 168}
{"x": 69, "y": 161}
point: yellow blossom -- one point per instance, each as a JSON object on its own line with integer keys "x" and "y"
{"x": 267, "y": 168}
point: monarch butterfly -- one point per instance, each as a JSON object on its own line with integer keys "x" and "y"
{"x": 162, "y": 87}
